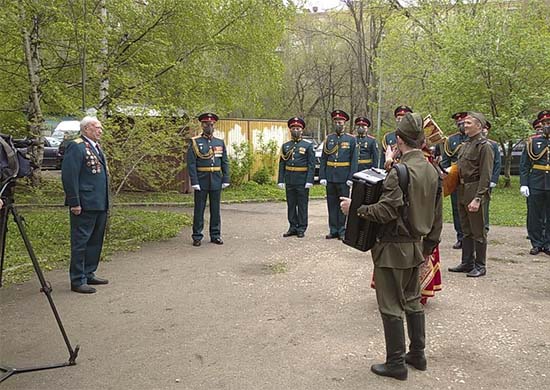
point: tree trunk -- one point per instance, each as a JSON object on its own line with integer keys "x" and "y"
{"x": 104, "y": 98}
{"x": 35, "y": 120}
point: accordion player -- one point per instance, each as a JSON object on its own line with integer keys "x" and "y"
{"x": 367, "y": 189}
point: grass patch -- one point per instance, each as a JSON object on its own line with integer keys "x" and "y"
{"x": 278, "y": 268}
{"x": 48, "y": 231}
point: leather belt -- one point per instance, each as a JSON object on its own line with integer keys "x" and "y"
{"x": 209, "y": 169}
{"x": 296, "y": 169}
{"x": 338, "y": 164}
{"x": 466, "y": 180}
{"x": 365, "y": 161}
{"x": 541, "y": 167}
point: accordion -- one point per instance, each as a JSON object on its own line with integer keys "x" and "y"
{"x": 367, "y": 188}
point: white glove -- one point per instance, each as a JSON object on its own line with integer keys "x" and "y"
{"x": 196, "y": 187}
{"x": 524, "y": 190}
{"x": 323, "y": 182}
{"x": 492, "y": 185}
{"x": 225, "y": 185}
{"x": 281, "y": 186}
{"x": 349, "y": 183}
{"x": 309, "y": 185}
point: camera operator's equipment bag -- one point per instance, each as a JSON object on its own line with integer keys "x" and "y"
{"x": 367, "y": 189}
{"x": 13, "y": 161}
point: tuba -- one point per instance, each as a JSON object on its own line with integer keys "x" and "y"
{"x": 433, "y": 133}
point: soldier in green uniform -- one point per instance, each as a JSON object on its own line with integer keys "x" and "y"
{"x": 475, "y": 166}
{"x": 389, "y": 140}
{"x": 337, "y": 166}
{"x": 296, "y": 171}
{"x": 406, "y": 236}
{"x": 208, "y": 168}
{"x": 86, "y": 184}
{"x": 449, "y": 157}
{"x": 366, "y": 144}
{"x": 534, "y": 170}
{"x": 497, "y": 165}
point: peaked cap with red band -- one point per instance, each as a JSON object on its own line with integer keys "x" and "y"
{"x": 459, "y": 115}
{"x": 208, "y": 117}
{"x": 402, "y": 110}
{"x": 296, "y": 122}
{"x": 362, "y": 121}
{"x": 543, "y": 115}
{"x": 339, "y": 114}
{"x": 536, "y": 123}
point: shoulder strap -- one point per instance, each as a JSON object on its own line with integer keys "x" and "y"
{"x": 403, "y": 177}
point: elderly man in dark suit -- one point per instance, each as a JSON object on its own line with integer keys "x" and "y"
{"x": 85, "y": 181}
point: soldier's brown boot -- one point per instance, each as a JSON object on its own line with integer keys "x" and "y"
{"x": 394, "y": 334}
{"x": 416, "y": 327}
{"x": 480, "y": 264}
{"x": 467, "y": 262}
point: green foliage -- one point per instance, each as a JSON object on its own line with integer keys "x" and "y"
{"x": 240, "y": 163}
{"x": 262, "y": 176}
{"x": 48, "y": 230}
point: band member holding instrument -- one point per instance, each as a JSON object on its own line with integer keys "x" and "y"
{"x": 389, "y": 142}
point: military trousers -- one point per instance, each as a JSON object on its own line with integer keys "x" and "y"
{"x": 397, "y": 290}
{"x": 473, "y": 224}
{"x": 297, "y": 199}
{"x": 200, "y": 197}
{"x": 336, "y": 219}
{"x": 487, "y": 209}
{"x": 87, "y": 233}
{"x": 456, "y": 216}
{"x": 538, "y": 227}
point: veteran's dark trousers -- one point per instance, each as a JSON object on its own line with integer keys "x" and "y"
{"x": 200, "y": 197}
{"x": 538, "y": 217}
{"x": 87, "y": 232}
{"x": 297, "y": 198}
{"x": 456, "y": 216}
{"x": 336, "y": 219}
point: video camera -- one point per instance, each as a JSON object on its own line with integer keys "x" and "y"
{"x": 14, "y": 158}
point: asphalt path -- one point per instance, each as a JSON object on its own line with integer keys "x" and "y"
{"x": 266, "y": 312}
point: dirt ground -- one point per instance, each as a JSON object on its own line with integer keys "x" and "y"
{"x": 266, "y": 312}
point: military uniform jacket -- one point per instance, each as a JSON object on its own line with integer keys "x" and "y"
{"x": 368, "y": 152}
{"x": 497, "y": 162}
{"x": 207, "y": 163}
{"x": 297, "y": 162}
{"x": 85, "y": 177}
{"x": 534, "y": 165}
{"x": 452, "y": 145}
{"x": 475, "y": 167}
{"x": 390, "y": 139}
{"x": 339, "y": 158}
{"x": 403, "y": 244}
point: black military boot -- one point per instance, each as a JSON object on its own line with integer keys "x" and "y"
{"x": 416, "y": 327}
{"x": 394, "y": 334}
{"x": 481, "y": 256}
{"x": 467, "y": 262}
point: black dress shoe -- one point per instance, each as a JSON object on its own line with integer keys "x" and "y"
{"x": 217, "y": 241}
{"x": 300, "y": 234}
{"x": 83, "y": 289}
{"x": 476, "y": 272}
{"x": 535, "y": 250}
{"x": 461, "y": 268}
{"x": 196, "y": 242}
{"x": 331, "y": 236}
{"x": 546, "y": 250}
{"x": 290, "y": 233}
{"x": 97, "y": 280}
{"x": 457, "y": 245}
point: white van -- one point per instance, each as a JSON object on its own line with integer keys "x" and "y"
{"x": 66, "y": 130}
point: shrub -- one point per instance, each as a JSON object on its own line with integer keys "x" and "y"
{"x": 262, "y": 176}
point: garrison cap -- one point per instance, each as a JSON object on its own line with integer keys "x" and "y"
{"x": 208, "y": 117}
{"x": 362, "y": 121}
{"x": 536, "y": 123}
{"x": 296, "y": 122}
{"x": 479, "y": 116}
{"x": 410, "y": 128}
{"x": 459, "y": 115}
{"x": 543, "y": 115}
{"x": 402, "y": 110}
{"x": 339, "y": 114}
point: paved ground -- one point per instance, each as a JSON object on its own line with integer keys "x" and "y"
{"x": 263, "y": 312}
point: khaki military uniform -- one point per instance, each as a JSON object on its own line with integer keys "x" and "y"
{"x": 475, "y": 167}
{"x": 401, "y": 246}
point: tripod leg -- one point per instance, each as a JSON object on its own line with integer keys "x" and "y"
{"x": 45, "y": 287}
{"x": 3, "y": 234}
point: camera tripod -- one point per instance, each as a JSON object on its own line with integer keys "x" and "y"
{"x": 9, "y": 208}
